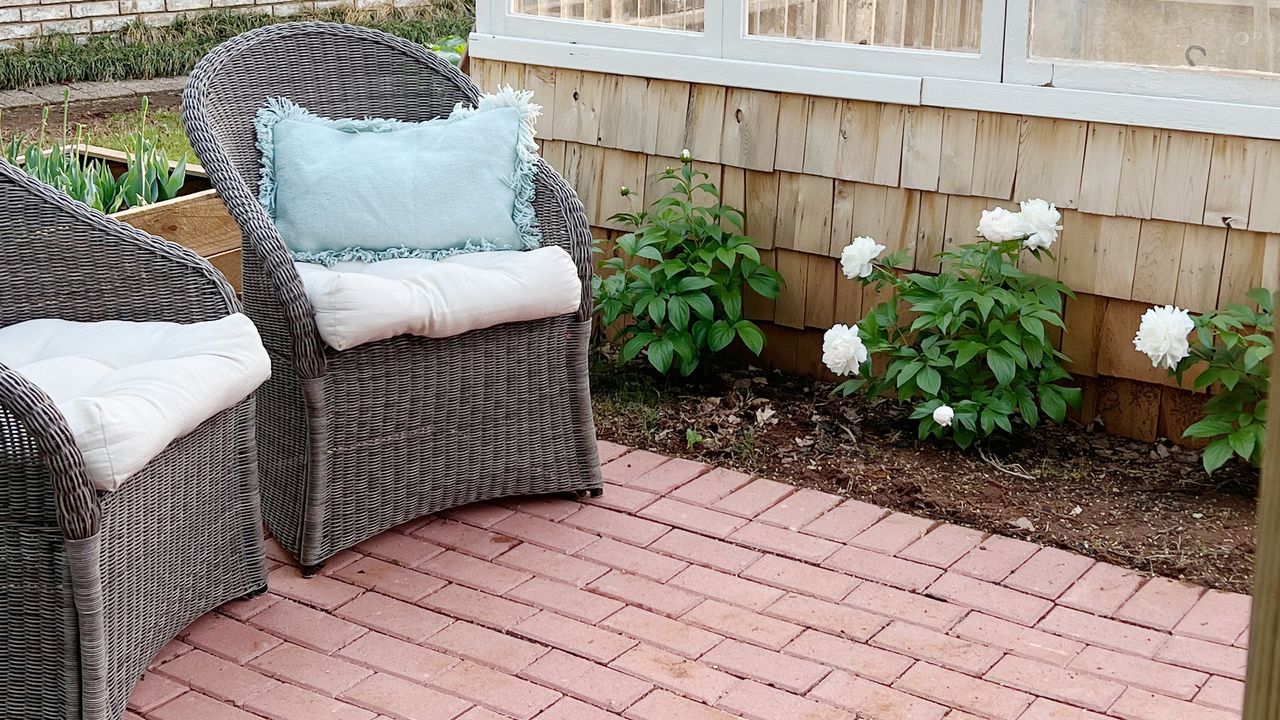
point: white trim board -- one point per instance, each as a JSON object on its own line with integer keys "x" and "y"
{"x": 1111, "y": 107}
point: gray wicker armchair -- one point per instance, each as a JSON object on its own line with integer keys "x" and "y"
{"x": 355, "y": 442}
{"x": 93, "y": 585}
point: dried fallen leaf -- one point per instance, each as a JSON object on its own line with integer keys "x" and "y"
{"x": 1023, "y": 523}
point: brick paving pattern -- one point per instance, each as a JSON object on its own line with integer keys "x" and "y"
{"x": 693, "y": 592}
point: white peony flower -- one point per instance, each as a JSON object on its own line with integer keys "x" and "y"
{"x": 1162, "y": 336}
{"x": 842, "y": 350}
{"x": 857, "y": 256}
{"x": 1042, "y": 220}
{"x": 1000, "y": 225}
{"x": 943, "y": 414}
{"x": 685, "y": 155}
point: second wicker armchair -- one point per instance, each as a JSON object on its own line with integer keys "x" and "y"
{"x": 356, "y": 442}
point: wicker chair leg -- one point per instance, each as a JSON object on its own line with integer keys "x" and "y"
{"x": 590, "y": 492}
{"x": 310, "y": 571}
{"x": 256, "y": 593}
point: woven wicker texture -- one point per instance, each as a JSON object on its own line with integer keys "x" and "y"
{"x": 354, "y": 443}
{"x": 92, "y": 586}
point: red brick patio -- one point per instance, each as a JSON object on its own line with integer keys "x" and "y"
{"x": 700, "y": 593}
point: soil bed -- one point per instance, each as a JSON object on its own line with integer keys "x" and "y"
{"x": 1146, "y": 506}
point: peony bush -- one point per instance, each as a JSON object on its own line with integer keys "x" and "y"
{"x": 1230, "y": 348}
{"x": 970, "y": 348}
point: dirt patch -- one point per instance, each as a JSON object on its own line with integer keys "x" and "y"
{"x": 83, "y": 112}
{"x": 1149, "y": 507}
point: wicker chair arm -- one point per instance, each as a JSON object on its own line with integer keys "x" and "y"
{"x": 27, "y": 414}
{"x": 258, "y": 231}
{"x": 64, "y": 260}
{"x": 571, "y": 218}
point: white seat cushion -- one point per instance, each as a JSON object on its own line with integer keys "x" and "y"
{"x": 358, "y": 302}
{"x": 128, "y": 389}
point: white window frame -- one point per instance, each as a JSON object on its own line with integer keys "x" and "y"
{"x": 1000, "y": 78}
{"x": 1211, "y": 85}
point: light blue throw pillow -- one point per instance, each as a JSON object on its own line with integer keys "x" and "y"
{"x": 376, "y": 189}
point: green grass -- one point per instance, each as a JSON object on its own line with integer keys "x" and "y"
{"x": 139, "y": 51}
{"x": 164, "y": 128}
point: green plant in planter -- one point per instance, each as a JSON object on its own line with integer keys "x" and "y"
{"x": 972, "y": 350}
{"x": 680, "y": 280}
{"x": 1231, "y": 347}
{"x": 147, "y": 178}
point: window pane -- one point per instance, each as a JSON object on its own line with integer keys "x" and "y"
{"x": 1221, "y": 34}
{"x": 954, "y": 25}
{"x": 666, "y": 14}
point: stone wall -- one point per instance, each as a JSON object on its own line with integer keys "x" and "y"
{"x": 23, "y": 21}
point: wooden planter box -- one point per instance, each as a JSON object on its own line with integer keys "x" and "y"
{"x": 195, "y": 219}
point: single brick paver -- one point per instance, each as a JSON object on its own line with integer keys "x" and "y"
{"x": 1217, "y": 616}
{"x": 893, "y": 534}
{"x": 963, "y": 692}
{"x": 742, "y": 624}
{"x": 754, "y": 498}
{"x": 925, "y": 644}
{"x": 576, "y": 637}
{"x": 309, "y": 669}
{"x": 566, "y": 600}
{"x": 662, "y": 631}
{"x": 863, "y": 696}
{"x": 995, "y": 558}
{"x": 903, "y": 605}
{"x": 695, "y": 679}
{"x": 229, "y": 639}
{"x": 1200, "y": 655}
{"x": 1222, "y": 693}
{"x": 726, "y": 587}
{"x": 1048, "y": 573}
{"x": 496, "y": 690}
{"x": 800, "y": 577}
{"x": 290, "y": 702}
{"x": 696, "y": 593}
{"x": 870, "y": 662}
{"x": 1160, "y": 603}
{"x": 1102, "y": 632}
{"x": 462, "y": 602}
{"x": 841, "y": 620}
{"x": 1102, "y": 589}
{"x": 1140, "y": 672}
{"x": 709, "y": 487}
{"x": 636, "y": 560}
{"x": 799, "y": 509}
{"x": 585, "y": 680}
{"x": 943, "y": 546}
{"x": 1076, "y": 688}
{"x": 706, "y": 551}
{"x": 769, "y": 667}
{"x": 1017, "y": 639}
{"x": 551, "y": 564}
{"x": 1138, "y": 704}
{"x": 389, "y": 579}
{"x": 663, "y": 705}
{"x": 846, "y": 520}
{"x": 487, "y": 647}
{"x": 993, "y": 599}
{"x": 757, "y": 701}
{"x": 404, "y": 700}
{"x": 883, "y": 569}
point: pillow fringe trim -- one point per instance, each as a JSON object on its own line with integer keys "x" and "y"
{"x": 329, "y": 258}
